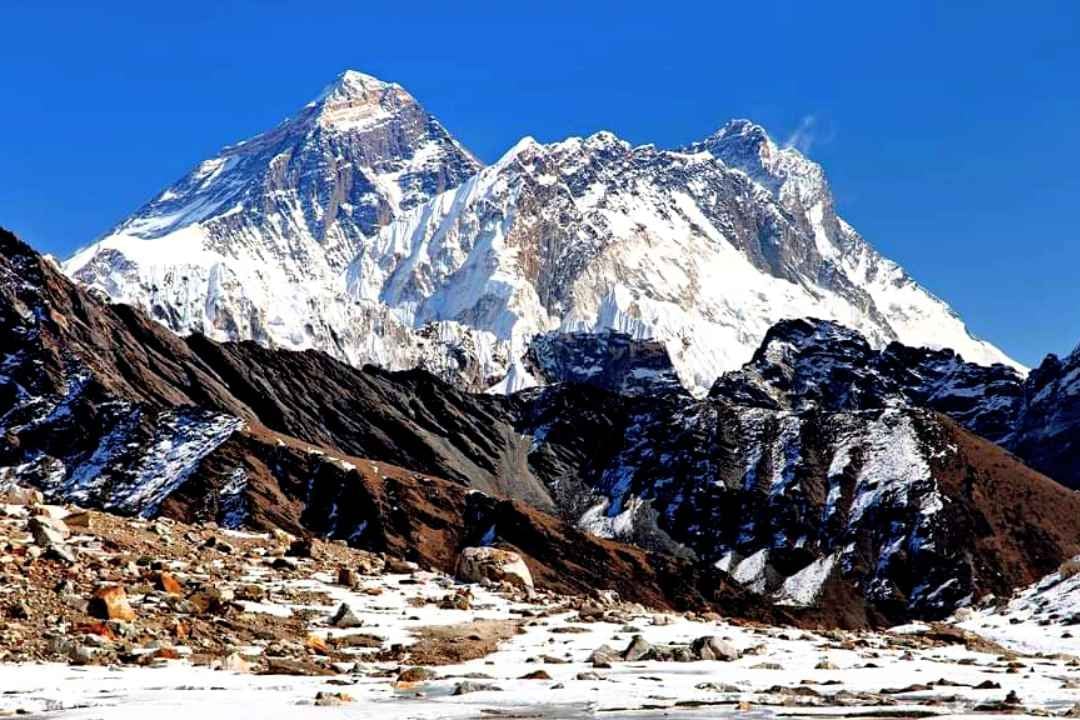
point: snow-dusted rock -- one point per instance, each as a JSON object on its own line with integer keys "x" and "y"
{"x": 710, "y": 647}
{"x": 48, "y": 532}
{"x": 20, "y": 495}
{"x": 345, "y": 617}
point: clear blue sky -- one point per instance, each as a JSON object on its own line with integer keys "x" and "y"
{"x": 950, "y": 131}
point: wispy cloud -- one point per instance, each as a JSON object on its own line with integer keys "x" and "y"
{"x": 805, "y": 134}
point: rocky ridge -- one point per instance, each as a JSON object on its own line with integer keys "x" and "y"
{"x": 869, "y": 514}
{"x": 104, "y": 407}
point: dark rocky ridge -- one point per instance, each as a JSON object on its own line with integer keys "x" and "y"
{"x": 816, "y": 363}
{"x": 608, "y": 360}
{"x": 1046, "y": 431}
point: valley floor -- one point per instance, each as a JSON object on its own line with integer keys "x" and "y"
{"x": 417, "y": 644}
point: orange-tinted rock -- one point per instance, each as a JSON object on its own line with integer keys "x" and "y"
{"x": 95, "y": 628}
{"x": 180, "y": 629}
{"x": 111, "y": 603}
{"x": 316, "y": 644}
{"x": 168, "y": 584}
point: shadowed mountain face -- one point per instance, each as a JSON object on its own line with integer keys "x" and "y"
{"x": 855, "y": 511}
{"x": 1046, "y": 431}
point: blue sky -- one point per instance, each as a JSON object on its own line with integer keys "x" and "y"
{"x": 949, "y": 131}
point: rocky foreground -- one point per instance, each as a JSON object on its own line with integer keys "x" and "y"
{"x": 105, "y": 616}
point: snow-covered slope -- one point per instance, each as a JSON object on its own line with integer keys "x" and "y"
{"x": 703, "y": 249}
{"x": 362, "y": 228}
{"x": 253, "y": 244}
{"x": 1037, "y": 618}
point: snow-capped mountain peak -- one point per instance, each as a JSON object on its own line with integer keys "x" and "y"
{"x": 353, "y": 83}
{"x": 253, "y": 243}
{"x": 703, "y": 248}
{"x": 790, "y": 176}
{"x": 356, "y": 102}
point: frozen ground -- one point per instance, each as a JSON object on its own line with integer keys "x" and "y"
{"x": 781, "y": 671}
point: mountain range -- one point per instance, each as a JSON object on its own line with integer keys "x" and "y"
{"x": 362, "y": 228}
{"x": 677, "y": 374}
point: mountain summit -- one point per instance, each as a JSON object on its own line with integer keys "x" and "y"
{"x": 362, "y": 228}
{"x": 253, "y": 243}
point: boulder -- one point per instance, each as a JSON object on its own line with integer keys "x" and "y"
{"x": 81, "y": 520}
{"x": 285, "y": 563}
{"x": 604, "y": 655}
{"x": 209, "y": 601}
{"x": 316, "y": 644}
{"x": 332, "y": 699}
{"x": 711, "y": 647}
{"x": 682, "y": 653}
{"x": 397, "y": 566}
{"x": 347, "y": 577}
{"x": 370, "y": 564}
{"x": 18, "y": 495}
{"x": 250, "y": 592}
{"x": 110, "y": 603}
{"x": 536, "y": 675}
{"x": 345, "y": 618}
{"x": 168, "y": 584}
{"x": 56, "y": 512}
{"x": 460, "y": 599}
{"x": 63, "y": 553}
{"x": 47, "y": 531}
{"x": 415, "y": 675}
{"x": 477, "y": 564}
{"x": 467, "y": 686}
{"x": 291, "y": 666}
{"x": 638, "y": 649}
{"x": 300, "y": 548}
